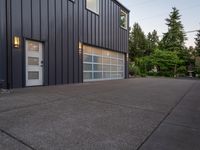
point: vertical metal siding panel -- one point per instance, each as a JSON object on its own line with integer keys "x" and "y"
{"x": 97, "y": 30}
{"x": 101, "y": 23}
{"x": 36, "y": 19}
{"x": 113, "y": 24}
{"x": 2, "y": 28}
{"x": 65, "y": 40}
{"x": 89, "y": 26}
{"x": 16, "y": 53}
{"x": 76, "y": 41}
{"x": 123, "y": 39}
{"x": 104, "y": 23}
{"x": 26, "y": 18}
{"x": 9, "y": 43}
{"x": 115, "y": 27}
{"x": 85, "y": 20}
{"x": 58, "y": 43}
{"x": 112, "y": 19}
{"x": 52, "y": 54}
{"x": 93, "y": 33}
{"x": 3, "y": 48}
{"x": 44, "y": 37}
{"x": 127, "y": 35}
{"x": 119, "y": 30}
{"x": 71, "y": 41}
{"x": 120, "y": 34}
{"x": 80, "y": 15}
{"x": 81, "y": 26}
{"x": 109, "y": 24}
{"x": 120, "y": 38}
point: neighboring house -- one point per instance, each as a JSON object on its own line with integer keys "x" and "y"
{"x": 52, "y": 42}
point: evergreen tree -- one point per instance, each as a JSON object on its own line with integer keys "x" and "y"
{"x": 152, "y": 41}
{"x": 197, "y": 42}
{"x": 137, "y": 42}
{"x": 174, "y": 39}
{"x": 149, "y": 44}
{"x": 155, "y": 38}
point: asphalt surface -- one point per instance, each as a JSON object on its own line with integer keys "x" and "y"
{"x": 133, "y": 114}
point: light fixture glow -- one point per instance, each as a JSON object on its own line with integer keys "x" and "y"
{"x": 16, "y": 42}
{"x": 80, "y": 47}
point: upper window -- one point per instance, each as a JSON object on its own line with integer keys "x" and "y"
{"x": 93, "y": 5}
{"x": 123, "y": 20}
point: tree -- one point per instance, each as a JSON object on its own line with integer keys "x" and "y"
{"x": 165, "y": 61}
{"x": 152, "y": 41}
{"x": 197, "y": 43}
{"x": 174, "y": 39}
{"x": 137, "y": 42}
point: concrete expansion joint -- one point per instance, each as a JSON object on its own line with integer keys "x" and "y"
{"x": 167, "y": 115}
{"x": 16, "y": 139}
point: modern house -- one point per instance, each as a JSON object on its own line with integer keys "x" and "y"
{"x": 50, "y": 42}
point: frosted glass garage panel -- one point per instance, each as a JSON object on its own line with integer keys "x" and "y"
{"x": 101, "y": 64}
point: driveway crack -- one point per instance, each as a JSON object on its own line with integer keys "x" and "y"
{"x": 167, "y": 115}
{"x": 16, "y": 139}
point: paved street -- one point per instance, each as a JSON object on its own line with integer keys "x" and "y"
{"x": 133, "y": 114}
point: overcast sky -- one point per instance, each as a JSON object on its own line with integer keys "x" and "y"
{"x": 151, "y": 14}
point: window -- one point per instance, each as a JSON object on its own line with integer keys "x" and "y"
{"x": 93, "y": 5}
{"x": 100, "y": 64}
{"x": 123, "y": 19}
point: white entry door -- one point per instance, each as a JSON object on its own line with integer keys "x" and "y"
{"x": 34, "y": 63}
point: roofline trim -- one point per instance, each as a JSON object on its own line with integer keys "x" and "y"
{"x": 119, "y": 3}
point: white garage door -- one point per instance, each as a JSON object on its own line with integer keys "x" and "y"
{"x": 100, "y": 64}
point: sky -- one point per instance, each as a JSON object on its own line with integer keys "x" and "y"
{"x": 151, "y": 14}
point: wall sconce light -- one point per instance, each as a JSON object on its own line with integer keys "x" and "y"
{"x": 80, "y": 47}
{"x": 16, "y": 42}
{"x": 127, "y": 56}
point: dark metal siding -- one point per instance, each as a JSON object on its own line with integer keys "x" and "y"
{"x": 104, "y": 30}
{"x": 60, "y": 25}
{"x": 3, "y": 47}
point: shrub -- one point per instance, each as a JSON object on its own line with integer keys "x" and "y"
{"x": 133, "y": 69}
{"x": 197, "y": 72}
{"x": 166, "y": 74}
{"x": 181, "y": 70}
{"x": 143, "y": 75}
{"x": 151, "y": 73}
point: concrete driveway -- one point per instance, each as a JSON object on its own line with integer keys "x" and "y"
{"x": 146, "y": 114}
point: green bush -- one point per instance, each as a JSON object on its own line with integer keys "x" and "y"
{"x": 182, "y": 70}
{"x": 166, "y": 74}
{"x": 134, "y": 70}
{"x": 150, "y": 73}
{"x": 143, "y": 75}
{"x": 197, "y": 71}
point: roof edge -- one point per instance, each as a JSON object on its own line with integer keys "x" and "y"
{"x": 119, "y": 3}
